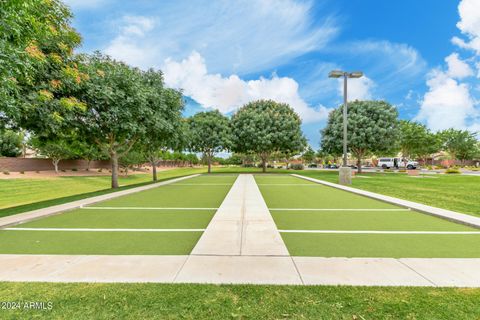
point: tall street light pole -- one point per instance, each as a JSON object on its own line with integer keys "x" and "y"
{"x": 345, "y": 172}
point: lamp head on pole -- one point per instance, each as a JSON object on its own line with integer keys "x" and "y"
{"x": 336, "y": 74}
{"x": 340, "y": 73}
{"x": 355, "y": 74}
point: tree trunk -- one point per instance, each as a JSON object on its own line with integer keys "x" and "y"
{"x": 154, "y": 170}
{"x": 264, "y": 165}
{"x": 359, "y": 165}
{"x": 209, "y": 161}
{"x": 114, "y": 158}
{"x": 55, "y": 164}
{"x": 88, "y": 164}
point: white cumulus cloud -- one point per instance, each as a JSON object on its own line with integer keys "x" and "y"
{"x": 469, "y": 25}
{"x": 229, "y": 93}
{"x": 457, "y": 68}
{"x": 447, "y": 104}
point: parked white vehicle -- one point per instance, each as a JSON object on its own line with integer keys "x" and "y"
{"x": 387, "y": 163}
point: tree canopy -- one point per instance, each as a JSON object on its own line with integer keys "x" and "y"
{"x": 209, "y": 133}
{"x": 265, "y": 126}
{"x": 417, "y": 141}
{"x": 372, "y": 128}
{"x": 36, "y": 67}
{"x": 460, "y": 144}
{"x": 11, "y": 143}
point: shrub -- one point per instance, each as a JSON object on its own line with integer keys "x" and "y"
{"x": 429, "y": 167}
{"x": 6, "y": 172}
{"x": 37, "y": 171}
{"x": 99, "y": 170}
{"x": 74, "y": 169}
{"x": 63, "y": 170}
{"x": 22, "y": 172}
{"x": 249, "y": 165}
{"x": 296, "y": 166}
{"x": 452, "y": 171}
{"x": 402, "y": 170}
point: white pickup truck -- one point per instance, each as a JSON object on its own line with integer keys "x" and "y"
{"x": 387, "y": 163}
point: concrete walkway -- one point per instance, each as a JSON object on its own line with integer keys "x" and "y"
{"x": 44, "y": 212}
{"x": 242, "y": 225}
{"x": 242, "y": 245}
{"x": 242, "y": 269}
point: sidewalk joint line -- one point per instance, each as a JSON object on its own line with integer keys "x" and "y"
{"x": 421, "y": 275}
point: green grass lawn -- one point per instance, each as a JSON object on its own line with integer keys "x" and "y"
{"x": 196, "y": 192}
{"x": 453, "y": 192}
{"x": 188, "y": 301}
{"x": 295, "y": 193}
{"x": 21, "y": 195}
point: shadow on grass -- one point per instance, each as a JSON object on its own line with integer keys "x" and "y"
{"x": 57, "y": 201}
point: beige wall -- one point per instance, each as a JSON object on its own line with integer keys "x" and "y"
{"x": 31, "y": 164}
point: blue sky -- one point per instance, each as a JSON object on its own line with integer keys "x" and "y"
{"x": 421, "y": 56}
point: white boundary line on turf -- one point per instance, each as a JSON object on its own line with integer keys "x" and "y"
{"x": 103, "y": 230}
{"x": 334, "y": 209}
{"x": 144, "y": 208}
{"x": 289, "y": 184}
{"x": 201, "y": 184}
{"x": 379, "y": 232}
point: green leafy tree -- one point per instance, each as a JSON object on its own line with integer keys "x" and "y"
{"x": 87, "y": 151}
{"x": 131, "y": 159}
{"x": 11, "y": 143}
{"x": 264, "y": 127}
{"x": 209, "y": 133}
{"x": 166, "y": 128}
{"x": 372, "y": 128}
{"x": 36, "y": 67}
{"x": 417, "y": 141}
{"x": 56, "y": 150}
{"x": 460, "y": 144}
{"x": 309, "y": 155}
{"x": 117, "y": 111}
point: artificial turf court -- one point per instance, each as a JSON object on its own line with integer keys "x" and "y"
{"x": 316, "y": 220}
{"x": 313, "y": 220}
{"x": 167, "y": 220}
